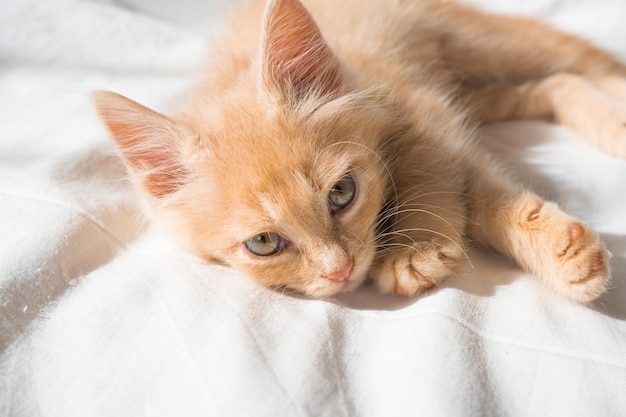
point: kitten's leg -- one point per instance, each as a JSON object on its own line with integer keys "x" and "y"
{"x": 511, "y": 67}
{"x": 556, "y": 247}
{"x": 572, "y": 100}
{"x": 482, "y": 48}
{"x": 422, "y": 244}
{"x": 613, "y": 85}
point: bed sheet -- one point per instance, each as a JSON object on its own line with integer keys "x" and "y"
{"x": 100, "y": 315}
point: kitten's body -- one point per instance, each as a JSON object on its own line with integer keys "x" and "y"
{"x": 385, "y": 96}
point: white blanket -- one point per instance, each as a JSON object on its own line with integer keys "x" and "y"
{"x": 102, "y": 316}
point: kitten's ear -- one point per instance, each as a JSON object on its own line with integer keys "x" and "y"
{"x": 147, "y": 141}
{"x": 296, "y": 60}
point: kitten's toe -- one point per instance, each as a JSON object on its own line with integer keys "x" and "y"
{"x": 567, "y": 255}
{"x": 583, "y": 264}
{"x": 610, "y": 128}
{"x": 412, "y": 270}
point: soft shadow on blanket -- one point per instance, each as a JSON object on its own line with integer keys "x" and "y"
{"x": 613, "y": 303}
{"x": 83, "y": 234}
{"x": 515, "y": 143}
{"x": 481, "y": 275}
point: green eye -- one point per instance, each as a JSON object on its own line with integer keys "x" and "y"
{"x": 342, "y": 193}
{"x": 265, "y": 244}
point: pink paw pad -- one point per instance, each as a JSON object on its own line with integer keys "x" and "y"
{"x": 576, "y": 231}
{"x": 429, "y": 284}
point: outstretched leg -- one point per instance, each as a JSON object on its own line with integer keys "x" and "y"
{"x": 481, "y": 48}
{"x": 514, "y": 68}
{"x": 556, "y": 247}
{"x": 583, "y": 105}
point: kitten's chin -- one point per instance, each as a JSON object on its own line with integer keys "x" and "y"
{"x": 326, "y": 288}
{"x": 323, "y": 288}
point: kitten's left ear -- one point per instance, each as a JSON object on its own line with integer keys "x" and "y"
{"x": 296, "y": 60}
{"x": 148, "y": 142}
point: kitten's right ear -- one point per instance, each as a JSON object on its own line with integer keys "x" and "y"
{"x": 296, "y": 60}
{"x": 147, "y": 141}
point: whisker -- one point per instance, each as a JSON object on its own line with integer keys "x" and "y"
{"x": 403, "y": 233}
{"x": 409, "y": 210}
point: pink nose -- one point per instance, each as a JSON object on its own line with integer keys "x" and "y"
{"x": 342, "y": 274}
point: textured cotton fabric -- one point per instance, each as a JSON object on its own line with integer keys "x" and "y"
{"x": 100, "y": 315}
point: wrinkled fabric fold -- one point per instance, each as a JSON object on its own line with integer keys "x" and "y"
{"x": 101, "y": 314}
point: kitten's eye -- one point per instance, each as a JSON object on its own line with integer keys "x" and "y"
{"x": 265, "y": 244}
{"x": 342, "y": 193}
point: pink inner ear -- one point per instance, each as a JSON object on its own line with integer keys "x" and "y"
{"x": 141, "y": 145}
{"x": 146, "y": 140}
{"x": 157, "y": 162}
{"x": 297, "y": 59}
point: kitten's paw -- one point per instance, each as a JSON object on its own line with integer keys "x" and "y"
{"x": 584, "y": 263}
{"x": 594, "y": 108}
{"x": 613, "y": 85}
{"x": 571, "y": 258}
{"x": 610, "y": 130}
{"x": 412, "y": 270}
{"x": 606, "y": 124}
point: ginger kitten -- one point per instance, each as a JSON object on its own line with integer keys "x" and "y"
{"x": 331, "y": 141}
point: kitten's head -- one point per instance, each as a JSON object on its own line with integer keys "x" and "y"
{"x": 281, "y": 175}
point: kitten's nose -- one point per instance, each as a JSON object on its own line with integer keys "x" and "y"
{"x": 342, "y": 274}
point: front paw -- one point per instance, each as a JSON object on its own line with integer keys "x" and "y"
{"x": 410, "y": 270}
{"x": 582, "y": 263}
{"x": 565, "y": 253}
